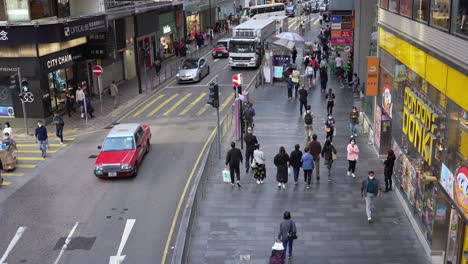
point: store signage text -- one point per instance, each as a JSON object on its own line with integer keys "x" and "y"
{"x": 59, "y": 61}
{"x": 418, "y": 125}
{"x": 166, "y": 29}
{"x": 89, "y": 26}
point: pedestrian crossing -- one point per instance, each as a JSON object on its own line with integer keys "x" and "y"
{"x": 29, "y": 157}
{"x": 181, "y": 104}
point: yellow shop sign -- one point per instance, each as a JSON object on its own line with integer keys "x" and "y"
{"x": 418, "y": 125}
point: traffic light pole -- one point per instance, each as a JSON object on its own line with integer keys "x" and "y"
{"x": 218, "y": 134}
{"x": 23, "y": 105}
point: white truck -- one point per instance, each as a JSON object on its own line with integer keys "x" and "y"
{"x": 247, "y": 45}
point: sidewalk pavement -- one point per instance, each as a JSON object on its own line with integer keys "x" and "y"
{"x": 127, "y": 100}
{"x": 240, "y": 225}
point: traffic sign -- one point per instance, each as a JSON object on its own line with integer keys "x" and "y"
{"x": 97, "y": 70}
{"x": 237, "y": 80}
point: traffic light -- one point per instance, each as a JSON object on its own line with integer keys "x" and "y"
{"x": 213, "y": 98}
{"x": 14, "y": 82}
{"x": 24, "y": 86}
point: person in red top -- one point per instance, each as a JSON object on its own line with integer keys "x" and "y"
{"x": 315, "y": 65}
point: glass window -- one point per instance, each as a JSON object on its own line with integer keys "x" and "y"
{"x": 406, "y": 7}
{"x": 440, "y": 13}
{"x": 394, "y": 6}
{"x": 421, "y": 10}
{"x": 118, "y": 144}
{"x": 17, "y": 10}
{"x": 460, "y": 17}
{"x": 384, "y": 4}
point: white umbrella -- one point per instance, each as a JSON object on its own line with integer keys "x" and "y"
{"x": 291, "y": 36}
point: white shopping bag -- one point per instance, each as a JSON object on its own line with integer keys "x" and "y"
{"x": 226, "y": 176}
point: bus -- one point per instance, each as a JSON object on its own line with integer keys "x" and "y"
{"x": 262, "y": 11}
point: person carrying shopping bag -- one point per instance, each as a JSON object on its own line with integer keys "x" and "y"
{"x": 260, "y": 168}
{"x": 287, "y": 233}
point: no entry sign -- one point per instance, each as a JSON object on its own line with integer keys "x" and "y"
{"x": 97, "y": 70}
{"x": 237, "y": 80}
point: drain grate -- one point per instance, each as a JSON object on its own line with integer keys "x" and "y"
{"x": 92, "y": 156}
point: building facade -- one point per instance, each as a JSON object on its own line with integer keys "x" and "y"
{"x": 421, "y": 112}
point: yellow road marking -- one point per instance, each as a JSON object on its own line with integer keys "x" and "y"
{"x": 12, "y": 174}
{"x": 177, "y": 104}
{"x": 5, "y": 183}
{"x": 66, "y": 139}
{"x": 203, "y": 110}
{"x": 29, "y": 158}
{"x": 35, "y": 145}
{"x": 182, "y": 198}
{"x": 162, "y": 105}
{"x": 26, "y": 166}
{"x": 35, "y": 151}
{"x": 148, "y": 105}
{"x": 192, "y": 104}
{"x": 226, "y": 102}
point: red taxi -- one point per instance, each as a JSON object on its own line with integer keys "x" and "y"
{"x": 123, "y": 151}
{"x": 221, "y": 49}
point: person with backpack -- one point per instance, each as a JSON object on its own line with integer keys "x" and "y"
{"x": 306, "y": 60}
{"x": 287, "y": 233}
{"x": 330, "y": 97}
{"x": 302, "y": 99}
{"x": 308, "y": 120}
{"x": 249, "y": 114}
{"x": 323, "y": 79}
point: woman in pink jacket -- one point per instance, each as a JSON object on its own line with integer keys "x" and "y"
{"x": 353, "y": 156}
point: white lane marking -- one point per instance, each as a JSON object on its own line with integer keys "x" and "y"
{"x": 215, "y": 60}
{"x": 12, "y": 244}
{"x": 225, "y": 67}
{"x": 67, "y": 241}
{"x": 316, "y": 22}
{"x": 214, "y": 78}
{"x": 118, "y": 258}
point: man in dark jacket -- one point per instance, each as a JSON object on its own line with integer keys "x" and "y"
{"x": 370, "y": 188}
{"x": 295, "y": 161}
{"x": 250, "y": 142}
{"x": 302, "y": 99}
{"x": 353, "y": 121}
{"x": 234, "y": 158}
{"x": 41, "y": 138}
{"x": 315, "y": 148}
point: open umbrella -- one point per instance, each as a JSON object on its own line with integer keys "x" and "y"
{"x": 291, "y": 36}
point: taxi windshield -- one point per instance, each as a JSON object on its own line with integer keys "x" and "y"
{"x": 118, "y": 144}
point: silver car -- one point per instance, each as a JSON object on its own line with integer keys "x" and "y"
{"x": 193, "y": 70}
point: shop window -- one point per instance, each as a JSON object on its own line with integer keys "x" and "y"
{"x": 17, "y": 10}
{"x": 384, "y": 4}
{"x": 421, "y": 10}
{"x": 440, "y": 14}
{"x": 460, "y": 17}
{"x": 394, "y": 6}
{"x": 457, "y": 133}
{"x": 42, "y": 8}
{"x": 406, "y": 8}
{"x": 59, "y": 81}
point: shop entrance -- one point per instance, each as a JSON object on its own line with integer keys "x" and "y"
{"x": 167, "y": 44}
{"x": 58, "y": 82}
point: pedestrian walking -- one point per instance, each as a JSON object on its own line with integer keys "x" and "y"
{"x": 281, "y": 161}
{"x": 89, "y": 107}
{"x": 234, "y": 159}
{"x": 249, "y": 113}
{"x": 315, "y": 149}
{"x": 353, "y": 157}
{"x": 295, "y": 162}
{"x": 114, "y": 90}
{"x": 59, "y": 124}
{"x": 353, "y": 121}
{"x": 157, "y": 64}
{"x": 260, "y": 168}
{"x": 287, "y": 233}
{"x": 302, "y": 99}
{"x": 308, "y": 121}
{"x": 310, "y": 75}
{"x": 294, "y": 55}
{"x": 339, "y": 64}
{"x": 323, "y": 79}
{"x": 295, "y": 79}
{"x": 308, "y": 166}
{"x": 80, "y": 99}
{"x": 330, "y": 127}
{"x": 306, "y": 60}
{"x": 250, "y": 142}
{"x": 370, "y": 189}
{"x": 329, "y": 156}
{"x": 41, "y": 138}
{"x": 70, "y": 101}
{"x": 7, "y": 129}
{"x": 290, "y": 87}
{"x": 330, "y": 97}
{"x": 388, "y": 169}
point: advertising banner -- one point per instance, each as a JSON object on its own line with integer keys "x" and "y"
{"x": 336, "y": 26}
{"x": 460, "y": 189}
{"x": 372, "y": 76}
{"x": 335, "y": 33}
{"x": 378, "y": 123}
{"x": 336, "y": 19}
{"x": 447, "y": 180}
{"x": 346, "y": 33}
{"x": 341, "y": 41}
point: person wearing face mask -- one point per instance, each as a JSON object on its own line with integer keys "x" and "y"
{"x": 370, "y": 188}
{"x": 8, "y": 130}
{"x": 353, "y": 156}
{"x": 41, "y": 138}
{"x": 330, "y": 127}
{"x": 353, "y": 121}
{"x": 330, "y": 97}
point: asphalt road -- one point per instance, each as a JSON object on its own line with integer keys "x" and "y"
{"x": 65, "y": 200}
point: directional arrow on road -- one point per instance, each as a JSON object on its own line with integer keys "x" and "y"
{"x": 119, "y": 258}
{"x": 12, "y": 244}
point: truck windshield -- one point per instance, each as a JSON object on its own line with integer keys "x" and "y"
{"x": 241, "y": 47}
{"x": 118, "y": 144}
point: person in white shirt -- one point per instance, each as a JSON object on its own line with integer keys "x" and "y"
{"x": 309, "y": 73}
{"x": 259, "y": 159}
{"x": 8, "y": 130}
{"x": 339, "y": 64}
{"x": 80, "y": 98}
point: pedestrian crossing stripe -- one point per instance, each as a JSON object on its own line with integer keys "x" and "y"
{"x": 162, "y": 105}
{"x": 226, "y": 102}
{"x": 12, "y": 174}
{"x": 177, "y": 104}
{"x": 192, "y": 104}
{"x": 147, "y": 105}
{"x": 30, "y": 158}
{"x": 5, "y": 183}
{"x": 52, "y": 151}
{"x": 201, "y": 111}
{"x": 26, "y": 166}
{"x": 25, "y": 145}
